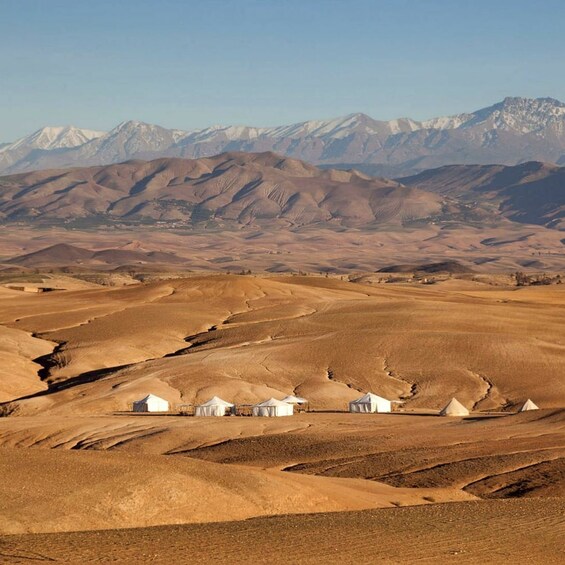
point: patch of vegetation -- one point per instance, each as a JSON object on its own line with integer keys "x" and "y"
{"x": 522, "y": 279}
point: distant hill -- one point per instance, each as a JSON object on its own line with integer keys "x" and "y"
{"x": 511, "y": 131}
{"x": 233, "y": 188}
{"x": 63, "y": 254}
{"x": 442, "y": 267}
{"x": 531, "y": 192}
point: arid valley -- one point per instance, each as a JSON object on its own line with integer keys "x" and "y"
{"x": 282, "y": 282}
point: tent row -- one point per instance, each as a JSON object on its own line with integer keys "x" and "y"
{"x": 219, "y": 407}
{"x": 367, "y": 404}
{"x": 371, "y": 403}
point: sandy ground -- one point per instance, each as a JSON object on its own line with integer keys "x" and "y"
{"x": 132, "y": 471}
{"x": 404, "y": 487}
{"x": 470, "y": 532}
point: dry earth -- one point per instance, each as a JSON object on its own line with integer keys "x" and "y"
{"x": 313, "y": 249}
{"x": 403, "y": 487}
{"x": 470, "y": 533}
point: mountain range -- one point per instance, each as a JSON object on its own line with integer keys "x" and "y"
{"x": 234, "y": 189}
{"x": 510, "y": 132}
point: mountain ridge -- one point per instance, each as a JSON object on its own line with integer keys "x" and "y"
{"x": 508, "y": 132}
{"x": 238, "y": 188}
{"x": 530, "y": 192}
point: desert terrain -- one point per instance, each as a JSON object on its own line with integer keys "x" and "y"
{"x": 265, "y": 212}
{"x": 86, "y": 480}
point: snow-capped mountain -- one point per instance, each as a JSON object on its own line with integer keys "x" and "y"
{"x": 55, "y": 138}
{"x": 509, "y": 132}
{"x": 127, "y": 140}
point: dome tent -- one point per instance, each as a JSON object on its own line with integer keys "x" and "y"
{"x": 370, "y": 403}
{"x": 213, "y": 407}
{"x": 273, "y": 407}
{"x": 528, "y": 405}
{"x": 454, "y": 408}
{"x": 151, "y": 403}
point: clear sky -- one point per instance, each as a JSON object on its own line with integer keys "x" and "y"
{"x": 190, "y": 64}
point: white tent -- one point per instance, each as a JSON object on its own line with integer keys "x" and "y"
{"x": 528, "y": 405}
{"x": 213, "y": 407}
{"x": 290, "y": 399}
{"x": 151, "y": 403}
{"x": 273, "y": 407}
{"x": 370, "y": 403}
{"x": 454, "y": 408}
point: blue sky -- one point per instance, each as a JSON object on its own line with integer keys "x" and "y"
{"x": 191, "y": 64}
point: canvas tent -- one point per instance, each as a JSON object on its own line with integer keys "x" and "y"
{"x": 370, "y": 403}
{"x": 151, "y": 403}
{"x": 273, "y": 407}
{"x": 454, "y": 408}
{"x": 290, "y": 399}
{"x": 528, "y": 405}
{"x": 213, "y": 407}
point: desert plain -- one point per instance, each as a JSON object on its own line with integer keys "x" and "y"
{"x": 85, "y": 480}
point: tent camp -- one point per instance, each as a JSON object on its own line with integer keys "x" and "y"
{"x": 454, "y": 408}
{"x": 213, "y": 407}
{"x": 151, "y": 403}
{"x": 370, "y": 403}
{"x": 290, "y": 399}
{"x": 273, "y": 407}
{"x": 528, "y": 405}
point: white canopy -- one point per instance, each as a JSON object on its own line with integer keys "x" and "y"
{"x": 454, "y": 408}
{"x": 528, "y": 405}
{"x": 151, "y": 403}
{"x": 370, "y": 403}
{"x": 213, "y": 407}
{"x": 273, "y": 407}
{"x": 290, "y": 399}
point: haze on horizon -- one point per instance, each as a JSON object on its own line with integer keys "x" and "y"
{"x": 94, "y": 65}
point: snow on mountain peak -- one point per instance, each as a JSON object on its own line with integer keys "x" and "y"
{"x": 522, "y": 115}
{"x": 55, "y": 137}
{"x": 351, "y": 138}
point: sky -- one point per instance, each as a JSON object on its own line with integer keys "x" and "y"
{"x": 191, "y": 64}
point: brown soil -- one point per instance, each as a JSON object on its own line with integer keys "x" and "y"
{"x": 466, "y": 532}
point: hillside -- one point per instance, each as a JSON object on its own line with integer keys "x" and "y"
{"x": 531, "y": 192}
{"x": 65, "y": 254}
{"x": 247, "y": 338}
{"x": 243, "y": 188}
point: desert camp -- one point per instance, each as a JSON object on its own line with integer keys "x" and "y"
{"x": 282, "y": 282}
